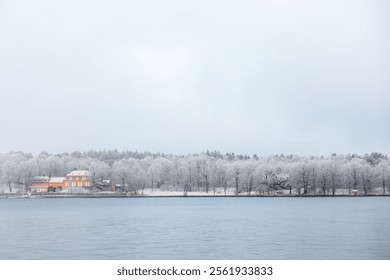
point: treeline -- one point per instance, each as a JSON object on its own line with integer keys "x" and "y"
{"x": 208, "y": 172}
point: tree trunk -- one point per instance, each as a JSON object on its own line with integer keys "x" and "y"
{"x": 236, "y": 183}
{"x": 384, "y": 185}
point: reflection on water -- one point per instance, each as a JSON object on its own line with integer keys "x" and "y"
{"x": 196, "y": 228}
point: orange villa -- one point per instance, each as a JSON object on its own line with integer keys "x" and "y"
{"x": 76, "y": 178}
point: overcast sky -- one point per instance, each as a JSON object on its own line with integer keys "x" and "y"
{"x": 176, "y": 76}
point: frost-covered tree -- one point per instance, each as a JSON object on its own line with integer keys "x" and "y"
{"x": 383, "y": 171}
{"x": 207, "y": 172}
{"x": 334, "y": 175}
{"x": 353, "y": 169}
{"x": 122, "y": 173}
{"x": 367, "y": 176}
{"x": 100, "y": 170}
{"x": 301, "y": 176}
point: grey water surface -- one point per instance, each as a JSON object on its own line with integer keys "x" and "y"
{"x": 195, "y": 228}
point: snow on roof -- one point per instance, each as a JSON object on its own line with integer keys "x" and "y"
{"x": 79, "y": 173}
{"x": 57, "y": 179}
{"x": 105, "y": 183}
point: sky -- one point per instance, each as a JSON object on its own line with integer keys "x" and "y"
{"x": 180, "y": 76}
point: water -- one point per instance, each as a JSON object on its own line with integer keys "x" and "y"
{"x": 195, "y": 228}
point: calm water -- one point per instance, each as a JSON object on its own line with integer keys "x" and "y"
{"x": 196, "y": 228}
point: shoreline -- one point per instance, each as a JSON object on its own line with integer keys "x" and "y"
{"x": 120, "y": 195}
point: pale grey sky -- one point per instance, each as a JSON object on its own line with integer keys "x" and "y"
{"x": 266, "y": 77}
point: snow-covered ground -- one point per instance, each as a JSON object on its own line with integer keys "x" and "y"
{"x": 75, "y": 190}
{"x": 218, "y": 192}
{"x": 158, "y": 192}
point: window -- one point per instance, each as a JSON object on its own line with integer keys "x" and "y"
{"x": 73, "y": 184}
{"x": 80, "y": 184}
{"x": 87, "y": 184}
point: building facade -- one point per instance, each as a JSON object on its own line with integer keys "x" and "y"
{"x": 76, "y": 178}
{"x": 40, "y": 184}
